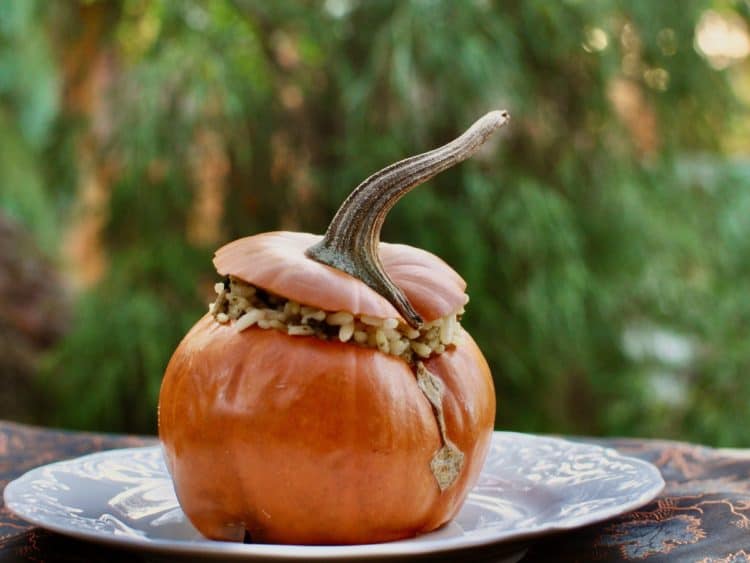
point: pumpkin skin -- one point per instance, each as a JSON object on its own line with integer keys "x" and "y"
{"x": 299, "y": 440}
{"x": 309, "y": 442}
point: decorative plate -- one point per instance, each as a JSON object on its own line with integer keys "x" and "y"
{"x": 530, "y": 486}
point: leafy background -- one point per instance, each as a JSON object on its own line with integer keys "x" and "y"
{"x": 605, "y": 235}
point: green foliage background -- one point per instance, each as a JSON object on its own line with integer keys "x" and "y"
{"x": 606, "y": 243}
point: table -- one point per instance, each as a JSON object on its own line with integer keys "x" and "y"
{"x": 703, "y": 514}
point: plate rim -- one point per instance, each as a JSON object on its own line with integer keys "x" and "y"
{"x": 340, "y": 552}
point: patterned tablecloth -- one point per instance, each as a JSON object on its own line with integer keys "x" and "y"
{"x": 702, "y": 515}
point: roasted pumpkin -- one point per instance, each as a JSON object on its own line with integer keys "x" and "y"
{"x": 330, "y": 395}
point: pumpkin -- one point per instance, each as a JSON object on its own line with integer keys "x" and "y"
{"x": 320, "y": 435}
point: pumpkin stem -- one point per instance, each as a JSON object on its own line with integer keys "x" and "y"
{"x": 352, "y": 239}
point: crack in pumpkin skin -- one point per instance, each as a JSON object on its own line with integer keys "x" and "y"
{"x": 446, "y": 464}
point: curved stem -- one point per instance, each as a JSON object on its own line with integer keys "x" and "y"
{"x": 351, "y": 240}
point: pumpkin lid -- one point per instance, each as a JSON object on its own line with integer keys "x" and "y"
{"x": 276, "y": 262}
{"x": 348, "y": 268}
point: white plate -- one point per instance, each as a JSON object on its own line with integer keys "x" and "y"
{"x": 530, "y": 486}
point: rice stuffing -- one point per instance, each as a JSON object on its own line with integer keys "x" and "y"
{"x": 245, "y": 305}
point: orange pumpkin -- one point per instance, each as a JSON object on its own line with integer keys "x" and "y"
{"x": 294, "y": 439}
